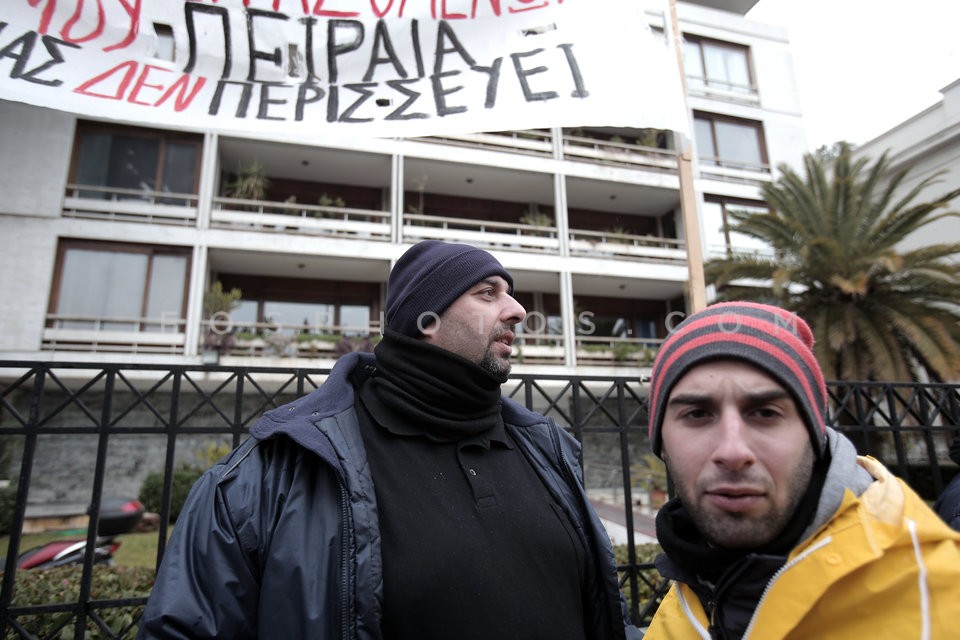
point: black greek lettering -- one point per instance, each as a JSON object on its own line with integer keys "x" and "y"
{"x": 266, "y": 101}
{"x": 581, "y": 90}
{"x": 256, "y": 54}
{"x": 381, "y": 37}
{"x": 440, "y": 94}
{"x": 399, "y": 112}
{"x": 302, "y": 100}
{"x": 246, "y": 90}
{"x": 493, "y": 83}
{"x": 445, "y": 32}
{"x": 192, "y": 8}
{"x": 364, "y": 90}
{"x": 21, "y": 51}
{"x": 523, "y": 74}
{"x": 334, "y": 49}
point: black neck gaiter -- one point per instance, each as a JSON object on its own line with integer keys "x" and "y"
{"x": 443, "y": 395}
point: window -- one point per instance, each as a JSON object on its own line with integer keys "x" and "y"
{"x": 133, "y": 163}
{"x": 716, "y": 65}
{"x": 721, "y": 241}
{"x": 298, "y": 306}
{"x": 729, "y": 142}
{"x": 116, "y": 287}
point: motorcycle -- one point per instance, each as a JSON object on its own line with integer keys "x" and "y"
{"x": 117, "y": 516}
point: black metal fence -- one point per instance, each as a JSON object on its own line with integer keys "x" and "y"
{"x": 75, "y": 433}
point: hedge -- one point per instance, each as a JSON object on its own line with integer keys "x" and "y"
{"x": 59, "y": 585}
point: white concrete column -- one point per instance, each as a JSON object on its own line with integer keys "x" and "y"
{"x": 198, "y": 286}
{"x": 569, "y": 319}
{"x": 209, "y": 177}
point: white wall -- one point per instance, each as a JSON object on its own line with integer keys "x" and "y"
{"x": 34, "y": 155}
{"x": 26, "y": 262}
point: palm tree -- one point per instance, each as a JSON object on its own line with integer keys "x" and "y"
{"x": 878, "y": 312}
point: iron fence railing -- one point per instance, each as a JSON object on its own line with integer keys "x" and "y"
{"x": 73, "y": 433}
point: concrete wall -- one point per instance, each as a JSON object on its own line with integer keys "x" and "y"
{"x": 26, "y": 264}
{"x": 34, "y": 155}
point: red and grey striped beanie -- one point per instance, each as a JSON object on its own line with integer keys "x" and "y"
{"x": 776, "y": 340}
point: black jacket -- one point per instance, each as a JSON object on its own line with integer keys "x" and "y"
{"x": 280, "y": 539}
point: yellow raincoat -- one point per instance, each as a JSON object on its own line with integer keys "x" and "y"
{"x": 884, "y": 566}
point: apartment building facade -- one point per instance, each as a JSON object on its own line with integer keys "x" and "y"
{"x": 115, "y": 233}
{"x": 929, "y": 143}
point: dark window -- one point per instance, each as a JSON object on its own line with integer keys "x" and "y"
{"x": 134, "y": 163}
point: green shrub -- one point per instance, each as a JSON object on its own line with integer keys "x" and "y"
{"x": 60, "y": 585}
{"x": 8, "y": 504}
{"x": 646, "y": 553}
{"x": 151, "y": 492}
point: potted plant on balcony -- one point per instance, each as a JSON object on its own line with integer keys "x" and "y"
{"x": 250, "y": 183}
{"x": 219, "y": 335}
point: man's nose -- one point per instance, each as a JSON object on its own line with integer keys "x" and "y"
{"x": 733, "y": 449}
{"x": 513, "y": 311}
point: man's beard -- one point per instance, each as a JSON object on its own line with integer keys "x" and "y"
{"x": 496, "y": 365}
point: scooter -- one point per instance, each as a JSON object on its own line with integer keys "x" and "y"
{"x": 117, "y": 516}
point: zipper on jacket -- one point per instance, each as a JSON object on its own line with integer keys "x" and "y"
{"x": 567, "y": 469}
{"x": 780, "y": 572}
{"x": 344, "y": 561}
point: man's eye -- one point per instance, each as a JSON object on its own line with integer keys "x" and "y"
{"x": 695, "y": 414}
{"x": 767, "y": 413}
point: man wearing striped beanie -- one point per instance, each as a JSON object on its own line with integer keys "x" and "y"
{"x": 779, "y": 529}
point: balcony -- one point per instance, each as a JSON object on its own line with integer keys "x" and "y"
{"x": 533, "y": 142}
{"x": 292, "y": 217}
{"x": 615, "y": 151}
{"x": 605, "y": 351}
{"x": 617, "y": 246}
{"x": 271, "y": 341}
{"x": 483, "y": 233}
{"x": 113, "y": 335}
{"x": 735, "y": 171}
{"x": 129, "y": 205}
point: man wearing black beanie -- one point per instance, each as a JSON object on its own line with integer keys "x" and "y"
{"x": 404, "y": 498}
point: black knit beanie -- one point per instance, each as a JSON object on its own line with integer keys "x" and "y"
{"x": 429, "y": 276}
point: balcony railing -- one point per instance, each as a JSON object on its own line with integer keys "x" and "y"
{"x": 129, "y": 205}
{"x": 536, "y": 143}
{"x": 614, "y": 153}
{"x": 722, "y": 90}
{"x": 271, "y": 340}
{"x": 292, "y": 217}
{"x": 752, "y": 173}
{"x": 607, "y": 244}
{"x": 274, "y": 339}
{"x": 93, "y": 334}
{"x": 483, "y": 233}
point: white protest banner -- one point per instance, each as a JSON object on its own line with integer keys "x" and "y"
{"x": 389, "y": 68}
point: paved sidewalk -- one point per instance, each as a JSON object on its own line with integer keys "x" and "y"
{"x": 614, "y": 518}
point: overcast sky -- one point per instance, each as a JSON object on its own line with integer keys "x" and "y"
{"x": 864, "y": 66}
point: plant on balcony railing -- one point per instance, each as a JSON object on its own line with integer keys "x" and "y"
{"x": 217, "y": 306}
{"x": 250, "y": 183}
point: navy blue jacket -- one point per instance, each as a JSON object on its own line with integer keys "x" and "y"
{"x": 948, "y": 504}
{"x": 280, "y": 539}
